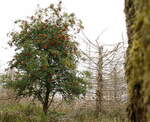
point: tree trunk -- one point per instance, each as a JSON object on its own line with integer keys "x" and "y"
{"x": 46, "y": 101}
{"x": 138, "y": 59}
{"x": 115, "y": 86}
{"x": 99, "y": 81}
{"x": 99, "y": 94}
{"x": 45, "y": 108}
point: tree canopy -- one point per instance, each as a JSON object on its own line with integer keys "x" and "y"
{"x": 47, "y": 56}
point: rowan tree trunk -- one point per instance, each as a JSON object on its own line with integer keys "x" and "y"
{"x": 138, "y": 59}
{"x": 46, "y": 101}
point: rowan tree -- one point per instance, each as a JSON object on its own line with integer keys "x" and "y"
{"x": 47, "y": 55}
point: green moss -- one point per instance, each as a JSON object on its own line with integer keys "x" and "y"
{"x": 138, "y": 59}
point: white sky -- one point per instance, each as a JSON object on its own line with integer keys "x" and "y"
{"x": 96, "y": 15}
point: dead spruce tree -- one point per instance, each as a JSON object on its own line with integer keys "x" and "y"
{"x": 100, "y": 60}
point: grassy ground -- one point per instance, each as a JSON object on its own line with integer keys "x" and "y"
{"x": 28, "y": 112}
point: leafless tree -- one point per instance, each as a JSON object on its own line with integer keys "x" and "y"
{"x": 102, "y": 62}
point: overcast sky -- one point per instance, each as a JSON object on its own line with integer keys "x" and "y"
{"x": 96, "y": 15}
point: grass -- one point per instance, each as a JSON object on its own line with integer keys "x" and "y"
{"x": 28, "y": 112}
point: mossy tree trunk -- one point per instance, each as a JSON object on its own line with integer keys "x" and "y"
{"x": 138, "y": 59}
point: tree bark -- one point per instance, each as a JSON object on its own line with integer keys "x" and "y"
{"x": 46, "y": 101}
{"x": 138, "y": 59}
{"x": 99, "y": 81}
